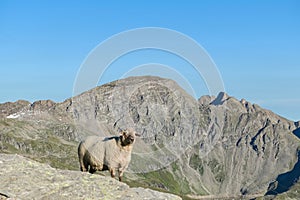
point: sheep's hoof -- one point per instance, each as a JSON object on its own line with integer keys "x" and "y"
{"x": 92, "y": 170}
{"x": 83, "y": 169}
{"x": 120, "y": 179}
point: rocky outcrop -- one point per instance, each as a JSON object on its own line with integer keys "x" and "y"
{"x": 211, "y": 146}
{"x": 22, "y": 178}
{"x": 10, "y": 109}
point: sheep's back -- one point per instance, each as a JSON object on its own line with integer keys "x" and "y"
{"x": 107, "y": 151}
{"x": 96, "y": 149}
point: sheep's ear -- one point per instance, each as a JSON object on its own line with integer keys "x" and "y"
{"x": 138, "y": 135}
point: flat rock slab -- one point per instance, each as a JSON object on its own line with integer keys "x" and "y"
{"x": 22, "y": 178}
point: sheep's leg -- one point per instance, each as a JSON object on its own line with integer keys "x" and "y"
{"x": 83, "y": 165}
{"x": 120, "y": 178}
{"x": 82, "y": 168}
{"x": 112, "y": 172}
{"x": 121, "y": 171}
{"x": 82, "y": 159}
{"x": 120, "y": 175}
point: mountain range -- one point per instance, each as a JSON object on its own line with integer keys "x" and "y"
{"x": 211, "y": 147}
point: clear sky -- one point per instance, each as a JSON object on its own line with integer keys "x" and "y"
{"x": 255, "y": 45}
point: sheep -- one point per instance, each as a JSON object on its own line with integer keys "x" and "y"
{"x": 110, "y": 153}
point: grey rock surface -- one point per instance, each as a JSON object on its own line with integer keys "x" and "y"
{"x": 251, "y": 146}
{"x": 22, "y": 178}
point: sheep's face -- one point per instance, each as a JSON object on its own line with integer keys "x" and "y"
{"x": 128, "y": 137}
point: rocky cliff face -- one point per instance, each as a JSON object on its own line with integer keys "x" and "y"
{"x": 216, "y": 146}
{"x": 254, "y": 145}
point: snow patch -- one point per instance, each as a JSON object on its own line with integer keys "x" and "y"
{"x": 13, "y": 116}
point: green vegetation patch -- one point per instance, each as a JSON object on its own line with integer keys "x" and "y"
{"x": 217, "y": 169}
{"x": 196, "y": 163}
{"x": 161, "y": 180}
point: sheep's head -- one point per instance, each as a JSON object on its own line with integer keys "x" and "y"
{"x": 128, "y": 136}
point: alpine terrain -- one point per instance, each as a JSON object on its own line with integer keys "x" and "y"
{"x": 213, "y": 147}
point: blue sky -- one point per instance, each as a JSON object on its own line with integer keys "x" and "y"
{"x": 255, "y": 45}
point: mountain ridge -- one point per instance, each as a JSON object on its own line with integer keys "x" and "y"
{"x": 201, "y": 146}
{"x": 10, "y": 108}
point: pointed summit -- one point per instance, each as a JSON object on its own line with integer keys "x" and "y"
{"x": 221, "y": 98}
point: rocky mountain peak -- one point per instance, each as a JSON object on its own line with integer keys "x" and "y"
{"x": 214, "y": 146}
{"x": 206, "y": 99}
{"x": 42, "y": 105}
{"x": 10, "y": 108}
{"x": 220, "y": 99}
